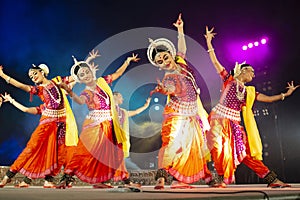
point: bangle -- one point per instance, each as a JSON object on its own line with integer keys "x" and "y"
{"x": 11, "y": 101}
{"x": 8, "y": 79}
{"x": 180, "y": 35}
{"x": 282, "y": 96}
{"x": 209, "y": 50}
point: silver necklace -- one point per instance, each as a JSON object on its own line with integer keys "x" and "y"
{"x": 191, "y": 77}
{"x": 240, "y": 95}
{"x": 58, "y": 100}
{"x": 100, "y": 95}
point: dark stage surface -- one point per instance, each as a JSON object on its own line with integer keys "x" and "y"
{"x": 244, "y": 192}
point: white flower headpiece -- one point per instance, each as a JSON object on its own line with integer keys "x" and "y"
{"x": 43, "y": 67}
{"x": 159, "y": 44}
{"x": 92, "y": 67}
{"x": 237, "y": 69}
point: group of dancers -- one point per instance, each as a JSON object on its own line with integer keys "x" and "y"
{"x": 190, "y": 136}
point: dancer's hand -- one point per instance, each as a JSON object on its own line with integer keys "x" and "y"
{"x": 179, "y": 22}
{"x": 6, "y": 97}
{"x": 291, "y": 88}
{"x": 94, "y": 54}
{"x": 133, "y": 58}
{"x": 209, "y": 34}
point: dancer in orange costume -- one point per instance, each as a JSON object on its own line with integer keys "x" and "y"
{"x": 227, "y": 140}
{"x": 99, "y": 156}
{"x": 184, "y": 153}
{"x": 46, "y": 151}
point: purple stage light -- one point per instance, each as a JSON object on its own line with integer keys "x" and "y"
{"x": 244, "y": 47}
{"x": 256, "y": 43}
{"x": 263, "y": 41}
{"x": 250, "y": 45}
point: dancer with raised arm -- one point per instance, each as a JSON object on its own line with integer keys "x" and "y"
{"x": 99, "y": 154}
{"x": 229, "y": 144}
{"x": 46, "y": 151}
{"x": 124, "y": 122}
{"x": 184, "y": 153}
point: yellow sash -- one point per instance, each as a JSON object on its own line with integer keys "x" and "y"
{"x": 125, "y": 126}
{"x": 120, "y": 134}
{"x": 250, "y": 125}
{"x": 71, "y": 126}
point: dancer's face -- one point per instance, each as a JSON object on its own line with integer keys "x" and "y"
{"x": 36, "y": 75}
{"x": 248, "y": 73}
{"x": 165, "y": 61}
{"x": 118, "y": 98}
{"x": 85, "y": 75}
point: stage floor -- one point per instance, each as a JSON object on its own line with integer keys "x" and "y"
{"x": 249, "y": 191}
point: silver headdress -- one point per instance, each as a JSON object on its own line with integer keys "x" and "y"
{"x": 79, "y": 64}
{"x": 160, "y": 43}
{"x": 237, "y": 69}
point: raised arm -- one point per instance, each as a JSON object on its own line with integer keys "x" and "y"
{"x": 8, "y": 98}
{"x": 181, "y": 45}
{"x": 139, "y": 110}
{"x": 13, "y": 81}
{"x": 264, "y": 98}
{"x": 122, "y": 69}
{"x": 210, "y": 49}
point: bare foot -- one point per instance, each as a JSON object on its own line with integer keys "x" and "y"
{"x": 22, "y": 185}
{"x": 180, "y": 185}
{"x": 4, "y": 181}
{"x": 160, "y": 183}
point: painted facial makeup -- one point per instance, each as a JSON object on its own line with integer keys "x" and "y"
{"x": 161, "y": 58}
{"x": 34, "y": 74}
{"x": 84, "y": 73}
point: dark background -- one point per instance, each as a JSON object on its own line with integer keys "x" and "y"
{"x": 37, "y": 31}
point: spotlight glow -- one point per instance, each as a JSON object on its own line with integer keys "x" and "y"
{"x": 244, "y": 47}
{"x": 263, "y": 41}
{"x": 256, "y": 43}
{"x": 156, "y": 107}
{"x": 250, "y": 45}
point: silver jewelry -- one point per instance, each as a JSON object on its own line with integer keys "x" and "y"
{"x": 8, "y": 79}
{"x": 76, "y": 63}
{"x": 58, "y": 100}
{"x": 240, "y": 95}
{"x": 160, "y": 42}
{"x": 191, "y": 77}
{"x": 100, "y": 95}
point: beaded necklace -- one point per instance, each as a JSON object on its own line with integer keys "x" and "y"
{"x": 190, "y": 77}
{"x": 98, "y": 93}
{"x": 240, "y": 95}
{"x": 58, "y": 100}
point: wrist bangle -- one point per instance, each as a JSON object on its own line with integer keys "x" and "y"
{"x": 180, "y": 35}
{"x": 11, "y": 101}
{"x": 282, "y": 96}
{"x": 8, "y": 79}
{"x": 209, "y": 50}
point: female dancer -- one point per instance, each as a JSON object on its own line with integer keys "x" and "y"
{"x": 98, "y": 155}
{"x": 227, "y": 140}
{"x": 45, "y": 152}
{"x": 184, "y": 153}
{"x": 124, "y": 122}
